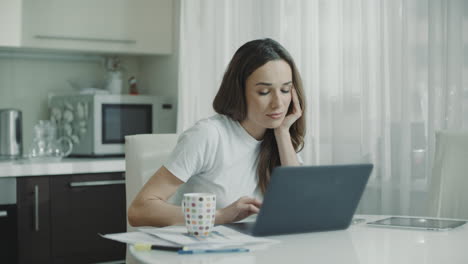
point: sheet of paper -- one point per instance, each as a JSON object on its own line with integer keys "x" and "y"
{"x": 220, "y": 235}
{"x": 138, "y": 237}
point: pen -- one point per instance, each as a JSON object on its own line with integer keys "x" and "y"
{"x": 202, "y": 251}
{"x": 145, "y": 247}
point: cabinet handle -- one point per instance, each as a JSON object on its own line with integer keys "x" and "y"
{"x": 96, "y": 183}
{"x": 3, "y": 214}
{"x": 36, "y": 208}
{"x": 123, "y": 41}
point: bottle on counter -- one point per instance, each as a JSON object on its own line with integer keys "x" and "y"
{"x": 114, "y": 75}
{"x": 114, "y": 82}
{"x": 133, "y": 85}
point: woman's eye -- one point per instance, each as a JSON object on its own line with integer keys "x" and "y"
{"x": 285, "y": 91}
{"x": 263, "y": 93}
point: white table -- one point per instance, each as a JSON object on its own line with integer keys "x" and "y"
{"x": 358, "y": 244}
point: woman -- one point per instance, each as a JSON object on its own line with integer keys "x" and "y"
{"x": 259, "y": 126}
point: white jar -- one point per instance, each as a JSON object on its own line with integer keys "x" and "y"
{"x": 114, "y": 82}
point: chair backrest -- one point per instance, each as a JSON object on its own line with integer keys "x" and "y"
{"x": 144, "y": 155}
{"x": 448, "y": 196}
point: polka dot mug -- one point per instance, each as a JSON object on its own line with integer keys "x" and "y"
{"x": 199, "y": 212}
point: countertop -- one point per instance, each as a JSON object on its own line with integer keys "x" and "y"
{"x": 26, "y": 167}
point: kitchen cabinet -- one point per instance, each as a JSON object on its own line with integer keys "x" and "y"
{"x": 33, "y": 219}
{"x": 10, "y": 23}
{"x": 8, "y": 233}
{"x": 82, "y": 206}
{"x": 104, "y": 26}
{"x": 60, "y": 217}
{"x": 8, "y": 220}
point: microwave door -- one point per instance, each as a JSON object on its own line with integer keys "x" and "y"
{"x": 118, "y": 120}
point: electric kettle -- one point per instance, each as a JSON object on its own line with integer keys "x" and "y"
{"x": 11, "y": 138}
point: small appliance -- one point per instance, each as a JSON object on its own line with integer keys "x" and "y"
{"x": 11, "y": 138}
{"x": 97, "y": 124}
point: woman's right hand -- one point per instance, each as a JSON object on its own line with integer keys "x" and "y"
{"x": 238, "y": 210}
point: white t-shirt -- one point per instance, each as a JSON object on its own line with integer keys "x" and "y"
{"x": 218, "y": 156}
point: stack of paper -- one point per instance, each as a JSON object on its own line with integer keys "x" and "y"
{"x": 177, "y": 236}
{"x": 139, "y": 237}
{"x": 220, "y": 237}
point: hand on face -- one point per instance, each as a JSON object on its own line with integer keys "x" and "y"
{"x": 238, "y": 210}
{"x": 294, "y": 115}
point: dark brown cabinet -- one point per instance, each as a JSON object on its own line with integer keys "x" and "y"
{"x": 82, "y": 206}
{"x": 8, "y": 234}
{"x": 33, "y": 219}
{"x": 72, "y": 210}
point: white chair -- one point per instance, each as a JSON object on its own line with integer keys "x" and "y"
{"x": 144, "y": 155}
{"x": 448, "y": 196}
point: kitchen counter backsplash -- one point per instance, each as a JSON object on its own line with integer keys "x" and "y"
{"x": 20, "y": 168}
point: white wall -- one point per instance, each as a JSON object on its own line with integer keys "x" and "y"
{"x": 161, "y": 72}
{"x": 26, "y": 80}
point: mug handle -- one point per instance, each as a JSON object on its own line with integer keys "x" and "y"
{"x": 68, "y": 143}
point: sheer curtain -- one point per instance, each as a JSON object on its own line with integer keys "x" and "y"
{"x": 380, "y": 78}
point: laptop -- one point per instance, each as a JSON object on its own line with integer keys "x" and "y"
{"x": 309, "y": 199}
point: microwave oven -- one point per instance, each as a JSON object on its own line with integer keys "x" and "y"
{"x": 97, "y": 124}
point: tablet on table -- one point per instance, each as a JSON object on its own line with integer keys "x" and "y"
{"x": 418, "y": 223}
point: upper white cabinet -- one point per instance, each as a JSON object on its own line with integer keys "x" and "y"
{"x": 10, "y": 23}
{"x": 108, "y": 26}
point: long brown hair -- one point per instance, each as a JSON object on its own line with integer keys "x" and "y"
{"x": 231, "y": 100}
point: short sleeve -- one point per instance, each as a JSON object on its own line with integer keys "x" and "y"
{"x": 194, "y": 152}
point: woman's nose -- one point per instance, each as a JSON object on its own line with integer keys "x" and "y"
{"x": 276, "y": 101}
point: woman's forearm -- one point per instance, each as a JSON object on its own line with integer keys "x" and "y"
{"x": 286, "y": 150}
{"x": 154, "y": 212}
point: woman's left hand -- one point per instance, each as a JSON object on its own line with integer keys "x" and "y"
{"x": 238, "y": 210}
{"x": 294, "y": 115}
